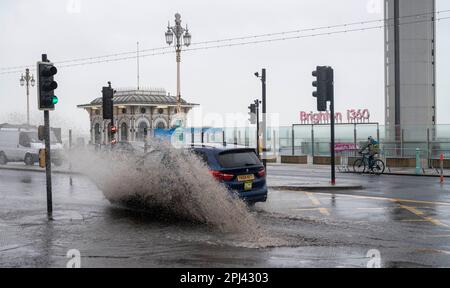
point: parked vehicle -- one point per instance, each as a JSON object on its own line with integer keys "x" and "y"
{"x": 17, "y": 145}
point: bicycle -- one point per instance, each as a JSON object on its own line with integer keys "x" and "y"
{"x": 362, "y": 165}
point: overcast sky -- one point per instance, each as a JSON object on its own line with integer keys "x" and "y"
{"x": 221, "y": 80}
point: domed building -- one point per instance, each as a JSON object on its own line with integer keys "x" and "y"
{"x": 137, "y": 114}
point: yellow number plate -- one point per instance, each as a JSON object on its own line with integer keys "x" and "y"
{"x": 243, "y": 178}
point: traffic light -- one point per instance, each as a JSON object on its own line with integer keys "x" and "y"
{"x": 42, "y": 158}
{"x": 321, "y": 84}
{"x": 113, "y": 135}
{"x": 252, "y": 113}
{"x": 108, "y": 94}
{"x": 46, "y": 86}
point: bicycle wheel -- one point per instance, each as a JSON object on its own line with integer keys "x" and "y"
{"x": 378, "y": 167}
{"x": 359, "y": 166}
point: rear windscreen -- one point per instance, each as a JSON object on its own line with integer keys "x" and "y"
{"x": 238, "y": 159}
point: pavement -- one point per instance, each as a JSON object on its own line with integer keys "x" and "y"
{"x": 403, "y": 221}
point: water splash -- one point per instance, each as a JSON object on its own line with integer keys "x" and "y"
{"x": 170, "y": 182}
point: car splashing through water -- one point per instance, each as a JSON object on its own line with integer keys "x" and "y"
{"x": 168, "y": 181}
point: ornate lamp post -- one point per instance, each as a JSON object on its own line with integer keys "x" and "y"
{"x": 182, "y": 38}
{"x": 27, "y": 80}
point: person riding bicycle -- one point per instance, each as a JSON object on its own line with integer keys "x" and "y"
{"x": 373, "y": 148}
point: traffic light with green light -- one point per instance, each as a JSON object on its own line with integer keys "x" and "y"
{"x": 46, "y": 86}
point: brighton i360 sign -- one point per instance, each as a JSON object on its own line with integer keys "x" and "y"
{"x": 351, "y": 116}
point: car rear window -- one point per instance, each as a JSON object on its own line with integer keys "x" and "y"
{"x": 238, "y": 159}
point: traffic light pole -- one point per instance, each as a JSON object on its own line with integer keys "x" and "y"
{"x": 48, "y": 159}
{"x": 333, "y": 151}
{"x": 257, "y": 128}
{"x": 264, "y": 111}
{"x": 48, "y": 164}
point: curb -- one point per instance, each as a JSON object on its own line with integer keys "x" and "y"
{"x": 399, "y": 174}
{"x": 37, "y": 170}
{"x": 317, "y": 188}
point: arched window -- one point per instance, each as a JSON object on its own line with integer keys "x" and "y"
{"x": 161, "y": 125}
{"x": 109, "y": 133}
{"x": 124, "y": 132}
{"x": 97, "y": 134}
{"x": 142, "y": 131}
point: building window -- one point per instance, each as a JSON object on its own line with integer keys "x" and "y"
{"x": 143, "y": 110}
{"x": 142, "y": 131}
{"x": 97, "y": 134}
{"x": 124, "y": 111}
{"x": 161, "y": 125}
{"x": 160, "y": 111}
{"x": 124, "y": 132}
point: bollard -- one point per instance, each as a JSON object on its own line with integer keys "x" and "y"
{"x": 442, "y": 168}
{"x": 418, "y": 164}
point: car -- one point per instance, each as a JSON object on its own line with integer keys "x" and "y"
{"x": 239, "y": 168}
{"x": 23, "y": 145}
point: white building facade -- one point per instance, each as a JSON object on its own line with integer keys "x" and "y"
{"x": 137, "y": 113}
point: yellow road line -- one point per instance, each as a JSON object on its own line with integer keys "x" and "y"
{"x": 316, "y": 202}
{"x": 313, "y": 199}
{"x": 324, "y": 211}
{"x": 388, "y": 199}
{"x": 412, "y": 210}
{"x": 420, "y": 215}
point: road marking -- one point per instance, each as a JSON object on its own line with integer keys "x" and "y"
{"x": 412, "y": 210}
{"x": 433, "y": 251}
{"x": 387, "y": 199}
{"x": 316, "y": 202}
{"x": 324, "y": 211}
{"x": 420, "y": 215}
{"x": 313, "y": 199}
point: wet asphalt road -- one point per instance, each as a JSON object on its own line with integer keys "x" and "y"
{"x": 406, "y": 219}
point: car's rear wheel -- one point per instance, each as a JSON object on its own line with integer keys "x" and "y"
{"x": 3, "y": 159}
{"x": 29, "y": 160}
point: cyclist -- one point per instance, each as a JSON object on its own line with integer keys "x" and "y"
{"x": 373, "y": 148}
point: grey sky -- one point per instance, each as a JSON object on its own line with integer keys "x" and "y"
{"x": 221, "y": 80}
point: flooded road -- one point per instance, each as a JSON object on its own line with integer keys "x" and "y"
{"x": 302, "y": 230}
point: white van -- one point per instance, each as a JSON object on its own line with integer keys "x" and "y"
{"x": 17, "y": 145}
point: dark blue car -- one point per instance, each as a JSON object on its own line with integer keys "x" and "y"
{"x": 238, "y": 168}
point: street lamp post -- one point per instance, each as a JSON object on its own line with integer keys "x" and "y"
{"x": 182, "y": 38}
{"x": 27, "y": 80}
{"x": 264, "y": 114}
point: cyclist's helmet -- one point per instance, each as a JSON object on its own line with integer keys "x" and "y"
{"x": 370, "y": 138}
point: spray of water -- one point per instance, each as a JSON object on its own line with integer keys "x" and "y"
{"x": 171, "y": 182}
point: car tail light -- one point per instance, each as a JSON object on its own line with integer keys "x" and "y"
{"x": 262, "y": 172}
{"x": 221, "y": 176}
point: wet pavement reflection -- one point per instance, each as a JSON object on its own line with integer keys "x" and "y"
{"x": 303, "y": 230}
